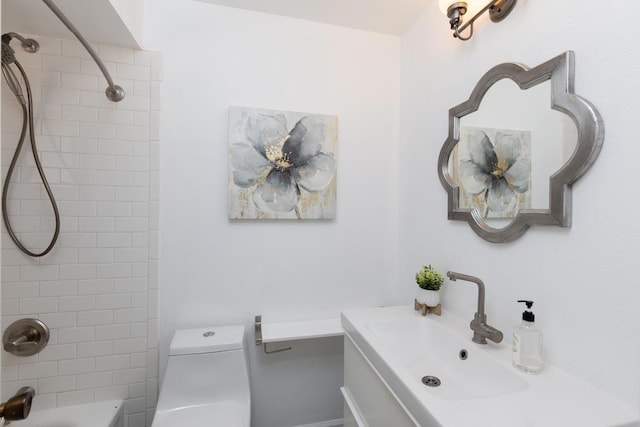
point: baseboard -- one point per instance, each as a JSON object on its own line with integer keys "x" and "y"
{"x": 331, "y": 423}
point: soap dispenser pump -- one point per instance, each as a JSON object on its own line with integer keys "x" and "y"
{"x": 527, "y": 343}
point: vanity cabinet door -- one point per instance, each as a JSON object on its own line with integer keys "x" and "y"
{"x": 368, "y": 401}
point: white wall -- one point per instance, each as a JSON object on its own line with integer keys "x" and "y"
{"x": 96, "y": 288}
{"x": 584, "y": 279}
{"x": 219, "y": 272}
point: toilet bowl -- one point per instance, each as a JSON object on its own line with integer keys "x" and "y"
{"x": 206, "y": 382}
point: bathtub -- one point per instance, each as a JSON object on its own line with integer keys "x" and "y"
{"x": 109, "y": 413}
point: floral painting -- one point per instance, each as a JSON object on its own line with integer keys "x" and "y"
{"x": 493, "y": 169}
{"x": 282, "y": 165}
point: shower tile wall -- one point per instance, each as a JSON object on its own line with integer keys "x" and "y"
{"x": 97, "y": 289}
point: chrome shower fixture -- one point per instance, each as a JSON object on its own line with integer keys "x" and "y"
{"x": 29, "y": 45}
{"x": 114, "y": 92}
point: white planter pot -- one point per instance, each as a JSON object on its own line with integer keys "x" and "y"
{"x": 430, "y": 298}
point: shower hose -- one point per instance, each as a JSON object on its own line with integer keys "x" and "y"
{"x": 27, "y": 124}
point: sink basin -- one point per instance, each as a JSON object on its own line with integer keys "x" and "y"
{"x": 484, "y": 390}
{"x": 463, "y": 371}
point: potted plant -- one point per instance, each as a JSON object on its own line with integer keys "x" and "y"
{"x": 429, "y": 281}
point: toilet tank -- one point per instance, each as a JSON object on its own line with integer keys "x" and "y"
{"x": 206, "y": 366}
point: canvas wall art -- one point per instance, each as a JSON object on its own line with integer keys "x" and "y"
{"x": 493, "y": 170}
{"x": 282, "y": 164}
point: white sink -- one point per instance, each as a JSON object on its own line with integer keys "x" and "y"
{"x": 484, "y": 390}
{"x": 464, "y": 372}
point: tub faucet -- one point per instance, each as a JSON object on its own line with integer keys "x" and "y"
{"x": 481, "y": 331}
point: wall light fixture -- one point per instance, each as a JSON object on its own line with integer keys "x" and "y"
{"x": 498, "y": 10}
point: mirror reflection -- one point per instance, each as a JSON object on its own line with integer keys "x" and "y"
{"x": 508, "y": 149}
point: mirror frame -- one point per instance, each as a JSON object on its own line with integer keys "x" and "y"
{"x": 590, "y": 128}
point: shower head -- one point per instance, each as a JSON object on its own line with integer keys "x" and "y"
{"x": 8, "y": 58}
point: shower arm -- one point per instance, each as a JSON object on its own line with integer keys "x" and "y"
{"x": 114, "y": 92}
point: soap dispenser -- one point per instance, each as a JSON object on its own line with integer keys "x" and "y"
{"x": 527, "y": 343}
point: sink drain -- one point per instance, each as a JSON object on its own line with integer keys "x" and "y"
{"x": 431, "y": 381}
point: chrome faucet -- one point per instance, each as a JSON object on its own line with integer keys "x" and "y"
{"x": 481, "y": 331}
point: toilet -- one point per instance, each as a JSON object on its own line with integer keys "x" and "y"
{"x": 206, "y": 382}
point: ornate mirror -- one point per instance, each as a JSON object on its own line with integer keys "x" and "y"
{"x": 516, "y": 147}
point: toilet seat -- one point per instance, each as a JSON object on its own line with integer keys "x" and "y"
{"x": 227, "y": 414}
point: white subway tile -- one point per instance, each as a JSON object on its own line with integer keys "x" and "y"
{"x": 79, "y": 113}
{"x": 77, "y": 303}
{"x": 96, "y": 161}
{"x": 57, "y": 352}
{"x": 152, "y": 300}
{"x": 60, "y": 160}
{"x": 142, "y": 118}
{"x": 57, "y": 95}
{"x": 60, "y": 63}
{"x": 39, "y": 305}
{"x": 61, "y": 255}
{"x": 73, "y": 48}
{"x": 44, "y": 401}
{"x": 154, "y": 125}
{"x": 130, "y": 315}
{"x": 130, "y": 284}
{"x": 142, "y": 88}
{"x": 114, "y": 209}
{"x": 135, "y": 72}
{"x": 59, "y": 320}
{"x": 77, "y": 271}
{"x": 156, "y": 67}
{"x": 63, "y": 192}
{"x": 116, "y": 117}
{"x": 115, "y": 178}
{"x": 10, "y": 372}
{"x": 94, "y": 318}
{"x": 141, "y": 149}
{"x": 115, "y": 147}
{"x": 97, "y": 130}
{"x": 142, "y": 57}
{"x": 136, "y": 419}
{"x": 95, "y": 348}
{"x": 58, "y": 288}
{"x": 71, "y": 398}
{"x": 79, "y": 176}
{"x": 18, "y": 289}
{"x": 96, "y": 192}
{"x": 152, "y": 362}
{"x": 140, "y": 240}
{"x": 95, "y": 287}
{"x": 114, "y": 240}
{"x": 138, "y": 389}
{"x": 137, "y": 164}
{"x": 96, "y": 256}
{"x": 77, "y": 240}
{"x": 113, "y": 301}
{"x": 140, "y": 209}
{"x": 94, "y": 379}
{"x": 44, "y": 78}
{"x": 80, "y": 81}
{"x": 116, "y": 54}
{"x": 112, "y": 393}
{"x": 136, "y": 103}
{"x": 112, "y": 271}
{"x": 20, "y": 224}
{"x": 76, "y": 335}
{"x": 112, "y": 332}
{"x": 127, "y": 376}
{"x": 38, "y": 272}
{"x": 130, "y": 345}
{"x": 30, "y": 174}
{"x": 112, "y": 363}
{"x": 132, "y": 194}
{"x": 95, "y": 224}
{"x": 25, "y": 191}
{"x": 10, "y": 306}
{"x": 95, "y": 99}
{"x": 60, "y": 127}
{"x": 132, "y": 133}
{"x": 79, "y": 208}
{"x": 32, "y": 371}
{"x": 156, "y": 98}
{"x": 79, "y": 145}
{"x": 139, "y": 269}
{"x": 131, "y": 254}
{"x": 76, "y": 366}
{"x": 57, "y": 384}
{"x": 139, "y": 330}
{"x": 154, "y": 215}
{"x": 47, "y": 111}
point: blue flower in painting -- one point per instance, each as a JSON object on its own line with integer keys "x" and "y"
{"x": 496, "y": 172}
{"x": 279, "y": 162}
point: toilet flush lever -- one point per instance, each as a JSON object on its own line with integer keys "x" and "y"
{"x": 25, "y": 337}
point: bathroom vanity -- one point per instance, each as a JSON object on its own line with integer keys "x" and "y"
{"x": 404, "y": 369}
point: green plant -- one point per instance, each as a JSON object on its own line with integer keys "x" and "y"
{"x": 428, "y": 278}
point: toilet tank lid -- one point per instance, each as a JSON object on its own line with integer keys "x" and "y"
{"x": 207, "y": 340}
